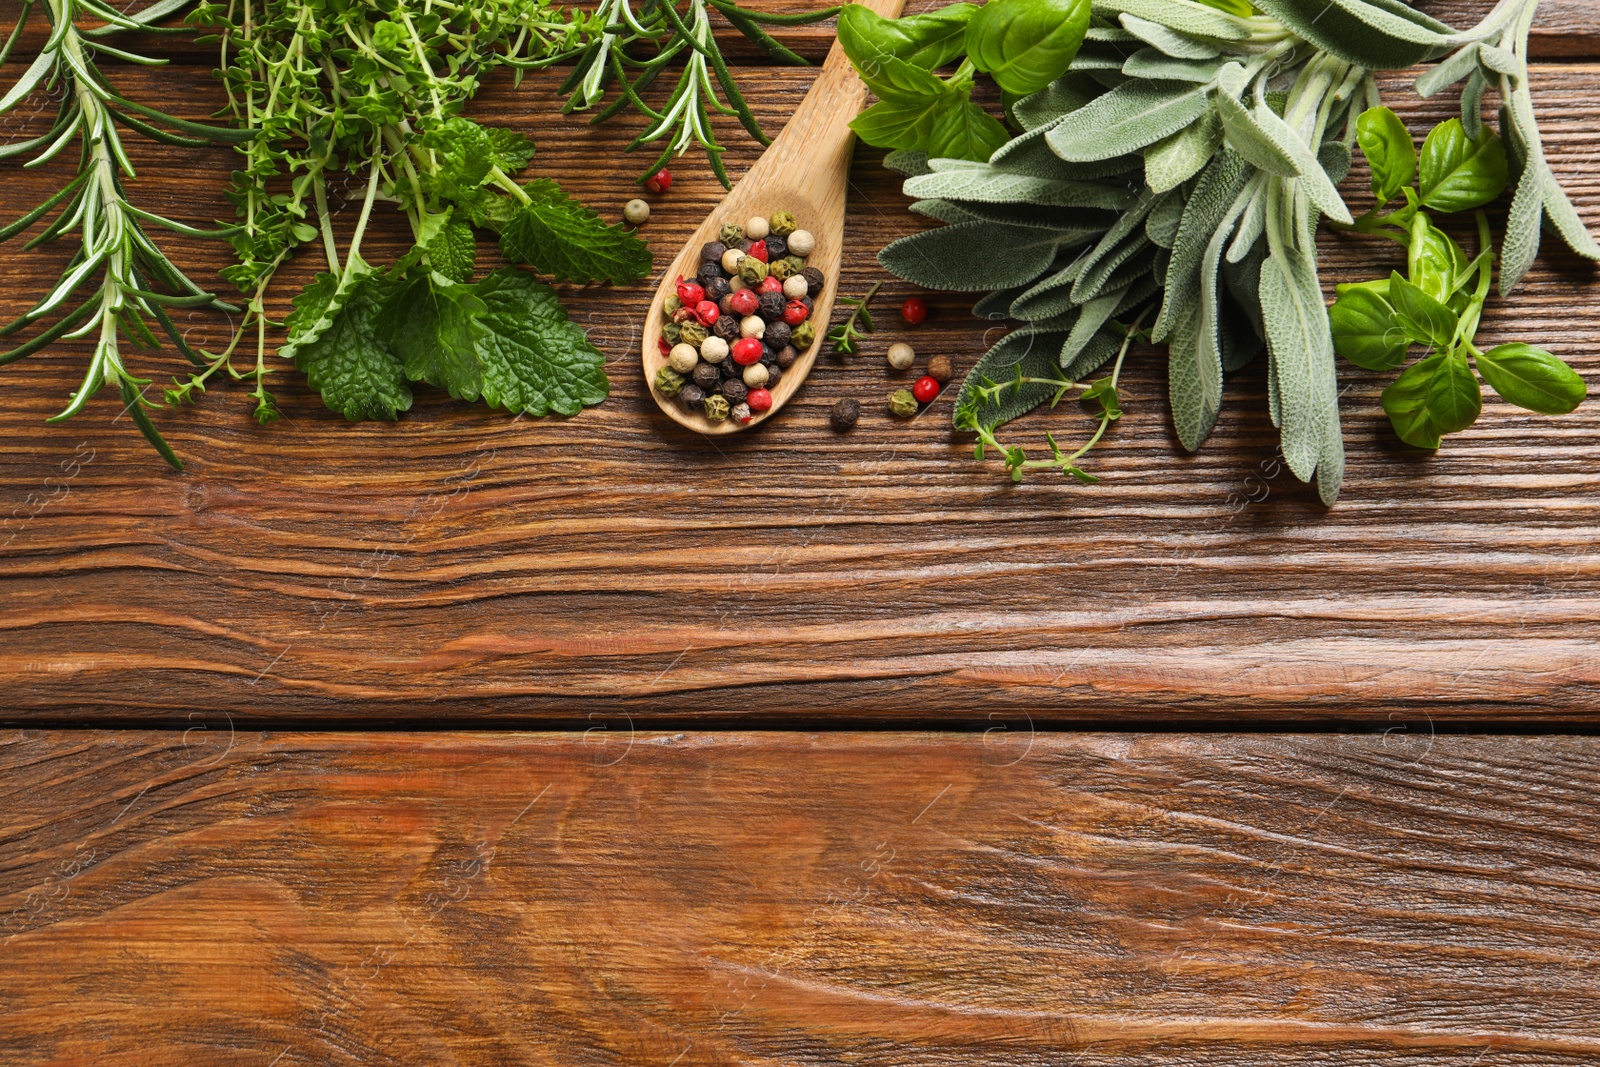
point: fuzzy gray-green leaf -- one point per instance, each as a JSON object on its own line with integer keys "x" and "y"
{"x": 1127, "y": 119}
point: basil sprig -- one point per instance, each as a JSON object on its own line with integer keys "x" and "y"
{"x": 1439, "y": 303}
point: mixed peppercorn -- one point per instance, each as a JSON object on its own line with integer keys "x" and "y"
{"x": 734, "y": 329}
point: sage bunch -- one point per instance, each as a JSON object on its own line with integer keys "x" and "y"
{"x": 1183, "y": 165}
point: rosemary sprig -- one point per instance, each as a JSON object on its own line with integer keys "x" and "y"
{"x": 130, "y": 282}
{"x": 845, "y": 337}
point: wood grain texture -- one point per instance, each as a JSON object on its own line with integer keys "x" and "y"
{"x": 462, "y": 564}
{"x": 1102, "y": 901}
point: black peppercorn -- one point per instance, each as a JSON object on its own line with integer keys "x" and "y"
{"x": 809, "y": 306}
{"x": 786, "y": 356}
{"x": 691, "y": 396}
{"x": 727, "y": 327}
{"x": 717, "y": 287}
{"x": 771, "y": 306}
{"x": 814, "y": 280}
{"x": 709, "y": 272}
{"x": 777, "y": 247}
{"x": 735, "y": 390}
{"x": 729, "y": 369}
{"x": 712, "y": 252}
{"x": 725, "y": 305}
{"x": 777, "y": 335}
{"x": 745, "y": 245}
{"x": 774, "y": 372}
{"x": 844, "y": 415}
{"x": 706, "y": 375}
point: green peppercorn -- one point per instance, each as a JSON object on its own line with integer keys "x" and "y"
{"x": 782, "y": 270}
{"x": 668, "y": 381}
{"x": 693, "y": 333}
{"x": 795, "y": 264}
{"x": 902, "y": 404}
{"x": 752, "y": 270}
{"x": 672, "y": 332}
{"x": 717, "y": 407}
{"x": 636, "y": 212}
{"x": 671, "y": 304}
{"x": 803, "y": 335}
{"x": 730, "y": 234}
{"x": 782, "y": 223}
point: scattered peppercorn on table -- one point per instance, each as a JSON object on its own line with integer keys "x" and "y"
{"x": 486, "y": 740}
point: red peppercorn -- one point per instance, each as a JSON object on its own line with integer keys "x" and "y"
{"x": 794, "y": 312}
{"x": 769, "y": 284}
{"x": 745, "y": 302}
{"x": 759, "y": 250}
{"x": 759, "y": 400}
{"x": 707, "y": 312}
{"x": 661, "y": 343}
{"x": 660, "y": 181}
{"x": 746, "y": 350}
{"x": 914, "y": 310}
{"x": 925, "y": 389}
{"x": 691, "y": 293}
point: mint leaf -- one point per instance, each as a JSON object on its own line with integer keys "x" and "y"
{"x": 464, "y": 153}
{"x": 334, "y": 338}
{"x": 431, "y": 324}
{"x": 533, "y": 359}
{"x": 453, "y": 251}
{"x": 560, "y": 236}
{"x": 510, "y": 149}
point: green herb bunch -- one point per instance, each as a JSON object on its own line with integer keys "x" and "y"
{"x": 1439, "y": 302}
{"x": 118, "y": 283}
{"x": 373, "y": 90}
{"x": 664, "y": 35}
{"x": 1023, "y": 45}
{"x": 1181, "y": 165}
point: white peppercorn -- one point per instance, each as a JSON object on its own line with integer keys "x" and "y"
{"x": 902, "y": 356}
{"x": 756, "y": 228}
{"x": 756, "y": 376}
{"x": 752, "y": 326}
{"x": 682, "y": 358}
{"x": 731, "y": 259}
{"x": 636, "y": 212}
{"x": 802, "y": 242}
{"x": 736, "y": 283}
{"x": 794, "y": 287}
{"x": 714, "y": 350}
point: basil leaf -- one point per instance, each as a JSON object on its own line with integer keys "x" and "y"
{"x": 1454, "y": 398}
{"x": 963, "y": 130}
{"x": 1422, "y": 317}
{"x": 1532, "y": 378}
{"x": 866, "y": 40}
{"x": 1024, "y": 45}
{"x": 1405, "y": 400}
{"x": 929, "y": 40}
{"x": 1365, "y": 330}
{"x": 1459, "y": 173}
{"x": 901, "y": 124}
{"x": 1388, "y": 147}
{"x": 1435, "y": 261}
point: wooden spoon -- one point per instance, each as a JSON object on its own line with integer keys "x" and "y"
{"x": 805, "y": 171}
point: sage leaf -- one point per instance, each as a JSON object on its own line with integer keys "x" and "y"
{"x": 991, "y": 185}
{"x": 1452, "y": 69}
{"x": 1532, "y": 378}
{"x": 1153, "y": 65}
{"x": 1127, "y": 119}
{"x": 1250, "y": 138}
{"x": 1219, "y": 186}
{"x": 1183, "y": 16}
{"x": 1378, "y": 37}
{"x": 1054, "y": 102}
{"x": 971, "y": 256}
{"x": 1301, "y": 350}
{"x": 1168, "y": 41}
{"x": 1021, "y": 353}
{"x": 1170, "y": 163}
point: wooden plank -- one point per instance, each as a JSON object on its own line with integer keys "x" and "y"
{"x": 463, "y": 564}
{"x": 799, "y": 900}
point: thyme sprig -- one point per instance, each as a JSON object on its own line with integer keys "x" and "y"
{"x": 846, "y": 336}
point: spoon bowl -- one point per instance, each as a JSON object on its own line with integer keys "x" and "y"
{"x": 806, "y": 171}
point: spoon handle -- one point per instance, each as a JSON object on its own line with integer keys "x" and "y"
{"x": 816, "y": 141}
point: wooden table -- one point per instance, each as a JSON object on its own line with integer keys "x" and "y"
{"x": 843, "y": 749}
